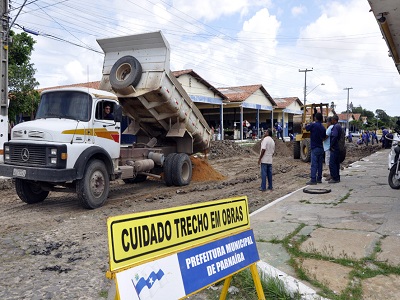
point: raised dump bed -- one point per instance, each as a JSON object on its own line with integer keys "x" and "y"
{"x": 136, "y": 69}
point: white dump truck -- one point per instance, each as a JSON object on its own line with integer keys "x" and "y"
{"x": 74, "y": 144}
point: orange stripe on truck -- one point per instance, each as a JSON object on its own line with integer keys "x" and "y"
{"x": 99, "y": 132}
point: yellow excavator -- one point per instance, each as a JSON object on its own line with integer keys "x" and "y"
{"x": 302, "y": 144}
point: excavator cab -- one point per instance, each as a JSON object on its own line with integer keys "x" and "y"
{"x": 302, "y": 144}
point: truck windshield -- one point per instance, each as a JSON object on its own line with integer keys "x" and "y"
{"x": 65, "y": 105}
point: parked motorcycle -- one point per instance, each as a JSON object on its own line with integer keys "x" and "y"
{"x": 394, "y": 161}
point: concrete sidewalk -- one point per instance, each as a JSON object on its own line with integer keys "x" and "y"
{"x": 347, "y": 240}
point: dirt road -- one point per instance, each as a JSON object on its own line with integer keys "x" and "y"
{"x": 58, "y": 250}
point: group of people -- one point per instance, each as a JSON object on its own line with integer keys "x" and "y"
{"x": 386, "y": 138}
{"x": 325, "y": 142}
{"x": 367, "y": 137}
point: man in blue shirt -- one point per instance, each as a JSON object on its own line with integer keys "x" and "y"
{"x": 327, "y": 142}
{"x": 279, "y": 131}
{"x": 317, "y": 137}
{"x": 334, "y": 162}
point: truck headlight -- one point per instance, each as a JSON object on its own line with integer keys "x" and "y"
{"x": 53, "y": 151}
{"x": 53, "y": 160}
{"x": 7, "y": 149}
{"x": 7, "y": 156}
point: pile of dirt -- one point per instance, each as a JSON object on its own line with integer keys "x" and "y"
{"x": 202, "y": 171}
{"x": 355, "y": 152}
{"x": 226, "y": 149}
{"x": 284, "y": 149}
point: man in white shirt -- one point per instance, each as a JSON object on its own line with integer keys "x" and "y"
{"x": 265, "y": 160}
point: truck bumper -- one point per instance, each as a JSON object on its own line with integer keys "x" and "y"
{"x": 38, "y": 174}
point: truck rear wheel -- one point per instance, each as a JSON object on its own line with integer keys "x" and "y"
{"x": 93, "y": 188}
{"x": 30, "y": 192}
{"x": 296, "y": 149}
{"x": 168, "y": 168}
{"x": 126, "y": 71}
{"x": 181, "y": 169}
{"x": 305, "y": 150}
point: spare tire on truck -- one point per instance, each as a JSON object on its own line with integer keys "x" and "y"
{"x": 125, "y": 72}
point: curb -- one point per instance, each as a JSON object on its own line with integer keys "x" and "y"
{"x": 291, "y": 283}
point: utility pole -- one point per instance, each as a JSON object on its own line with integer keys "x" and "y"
{"x": 347, "y": 122}
{"x": 305, "y": 82}
{"x": 4, "y": 29}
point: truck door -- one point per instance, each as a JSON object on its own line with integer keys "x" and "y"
{"x": 106, "y": 132}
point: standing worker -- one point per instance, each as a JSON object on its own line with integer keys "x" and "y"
{"x": 334, "y": 161}
{"x": 327, "y": 142}
{"x": 279, "y": 131}
{"x": 317, "y": 137}
{"x": 265, "y": 160}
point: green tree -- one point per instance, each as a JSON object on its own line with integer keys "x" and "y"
{"x": 364, "y": 112}
{"x": 21, "y": 76}
{"x": 382, "y": 115}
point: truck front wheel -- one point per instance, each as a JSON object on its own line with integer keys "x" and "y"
{"x": 30, "y": 192}
{"x": 93, "y": 188}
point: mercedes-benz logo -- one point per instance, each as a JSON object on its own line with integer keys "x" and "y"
{"x": 25, "y": 154}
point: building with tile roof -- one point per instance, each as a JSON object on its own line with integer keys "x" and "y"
{"x": 208, "y": 99}
{"x": 286, "y": 108}
{"x": 352, "y": 117}
{"x": 252, "y": 105}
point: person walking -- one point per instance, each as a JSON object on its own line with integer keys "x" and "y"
{"x": 374, "y": 137}
{"x": 327, "y": 143}
{"x": 383, "y": 139}
{"x": 265, "y": 160}
{"x": 245, "y": 129}
{"x": 317, "y": 137}
{"x": 334, "y": 161}
{"x": 279, "y": 131}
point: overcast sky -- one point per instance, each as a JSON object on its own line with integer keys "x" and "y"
{"x": 228, "y": 43}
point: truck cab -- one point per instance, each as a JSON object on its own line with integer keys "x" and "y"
{"x": 74, "y": 144}
{"x": 55, "y": 149}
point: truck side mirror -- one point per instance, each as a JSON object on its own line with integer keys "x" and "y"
{"x": 118, "y": 114}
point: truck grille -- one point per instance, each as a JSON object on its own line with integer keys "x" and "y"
{"x": 28, "y": 155}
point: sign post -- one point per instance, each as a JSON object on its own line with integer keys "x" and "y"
{"x": 176, "y": 252}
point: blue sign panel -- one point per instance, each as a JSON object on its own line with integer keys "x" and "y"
{"x": 209, "y": 263}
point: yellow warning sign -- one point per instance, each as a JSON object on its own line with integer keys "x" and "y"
{"x": 137, "y": 237}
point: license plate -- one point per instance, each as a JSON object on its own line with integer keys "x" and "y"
{"x": 19, "y": 173}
